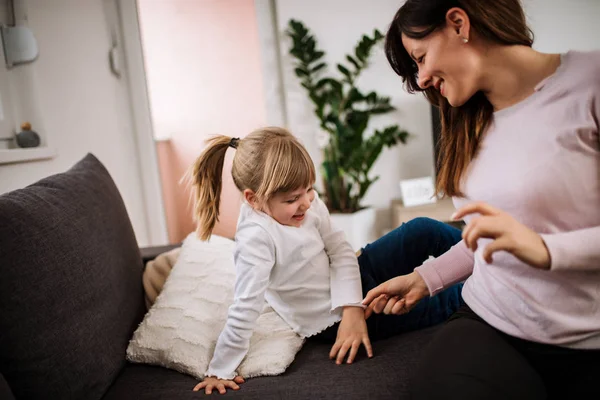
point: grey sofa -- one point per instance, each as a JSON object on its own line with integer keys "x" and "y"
{"x": 71, "y": 296}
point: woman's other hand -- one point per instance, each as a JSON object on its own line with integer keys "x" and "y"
{"x": 507, "y": 233}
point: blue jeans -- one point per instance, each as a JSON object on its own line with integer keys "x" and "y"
{"x": 399, "y": 253}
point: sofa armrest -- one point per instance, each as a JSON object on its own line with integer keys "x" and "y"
{"x": 5, "y": 392}
{"x": 150, "y": 253}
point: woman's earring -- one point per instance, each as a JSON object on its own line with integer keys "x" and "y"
{"x": 465, "y": 40}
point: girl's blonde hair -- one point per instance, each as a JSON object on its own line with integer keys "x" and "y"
{"x": 267, "y": 161}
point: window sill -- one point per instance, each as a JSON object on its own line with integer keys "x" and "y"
{"x": 10, "y": 156}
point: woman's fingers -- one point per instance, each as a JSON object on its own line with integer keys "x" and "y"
{"x": 483, "y": 227}
{"x": 478, "y": 207}
{"x": 374, "y": 293}
{"x": 471, "y": 233}
{"x": 400, "y": 307}
{"x": 390, "y": 304}
{"x": 380, "y": 303}
{"x": 371, "y": 307}
{"x": 496, "y": 245}
{"x": 376, "y": 306}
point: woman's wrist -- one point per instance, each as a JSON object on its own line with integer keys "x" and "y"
{"x": 418, "y": 284}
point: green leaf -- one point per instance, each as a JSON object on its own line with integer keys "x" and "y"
{"x": 296, "y": 52}
{"x": 381, "y": 109}
{"x": 358, "y": 120}
{"x": 354, "y": 95}
{"x": 371, "y": 98}
{"x": 365, "y": 186}
{"x": 383, "y": 100}
{"x": 403, "y": 136}
{"x": 353, "y": 62}
{"x": 300, "y": 72}
{"x": 360, "y": 53}
{"x": 322, "y": 82}
{"x": 344, "y": 71}
{"x": 318, "y": 67}
{"x": 336, "y": 86}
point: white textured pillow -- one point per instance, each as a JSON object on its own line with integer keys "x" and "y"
{"x": 181, "y": 329}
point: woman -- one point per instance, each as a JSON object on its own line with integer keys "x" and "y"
{"x": 520, "y": 155}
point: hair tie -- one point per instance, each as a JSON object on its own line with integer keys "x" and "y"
{"x": 234, "y": 142}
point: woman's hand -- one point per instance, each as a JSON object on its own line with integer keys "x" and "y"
{"x": 352, "y": 332}
{"x": 210, "y": 382}
{"x": 396, "y": 296}
{"x": 508, "y": 234}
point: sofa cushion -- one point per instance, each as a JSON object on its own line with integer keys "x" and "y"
{"x": 182, "y": 328}
{"x": 5, "y": 392}
{"x": 70, "y": 284}
{"x": 312, "y": 375}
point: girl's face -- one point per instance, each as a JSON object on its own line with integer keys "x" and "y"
{"x": 289, "y": 208}
{"x": 445, "y": 61}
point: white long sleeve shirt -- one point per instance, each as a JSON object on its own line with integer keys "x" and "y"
{"x": 306, "y": 274}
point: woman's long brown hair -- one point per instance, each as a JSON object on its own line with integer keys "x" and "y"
{"x": 497, "y": 21}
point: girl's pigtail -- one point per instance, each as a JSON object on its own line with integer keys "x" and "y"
{"x": 206, "y": 179}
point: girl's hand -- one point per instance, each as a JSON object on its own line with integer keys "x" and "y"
{"x": 352, "y": 332}
{"x": 508, "y": 234}
{"x": 210, "y": 382}
{"x": 396, "y": 296}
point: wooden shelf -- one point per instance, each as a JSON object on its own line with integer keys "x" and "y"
{"x": 440, "y": 210}
{"x": 10, "y": 156}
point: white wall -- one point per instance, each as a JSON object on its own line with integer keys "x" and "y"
{"x": 83, "y": 106}
{"x": 338, "y": 25}
{"x": 562, "y": 25}
{"x": 559, "y": 25}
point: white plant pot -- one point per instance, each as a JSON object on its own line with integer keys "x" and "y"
{"x": 359, "y": 227}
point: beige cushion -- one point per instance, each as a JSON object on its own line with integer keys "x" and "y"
{"x": 156, "y": 273}
{"x": 181, "y": 328}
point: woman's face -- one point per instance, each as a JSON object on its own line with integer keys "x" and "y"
{"x": 446, "y": 62}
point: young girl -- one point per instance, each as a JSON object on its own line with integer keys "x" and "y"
{"x": 288, "y": 253}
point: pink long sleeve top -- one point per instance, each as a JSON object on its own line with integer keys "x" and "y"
{"x": 540, "y": 162}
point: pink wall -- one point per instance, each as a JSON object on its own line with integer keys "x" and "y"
{"x": 204, "y": 77}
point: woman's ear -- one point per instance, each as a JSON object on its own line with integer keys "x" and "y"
{"x": 458, "y": 20}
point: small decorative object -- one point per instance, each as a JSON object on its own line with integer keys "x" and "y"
{"x": 27, "y": 137}
{"x": 344, "y": 111}
{"x": 418, "y": 191}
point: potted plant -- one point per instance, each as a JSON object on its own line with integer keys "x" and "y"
{"x": 344, "y": 111}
